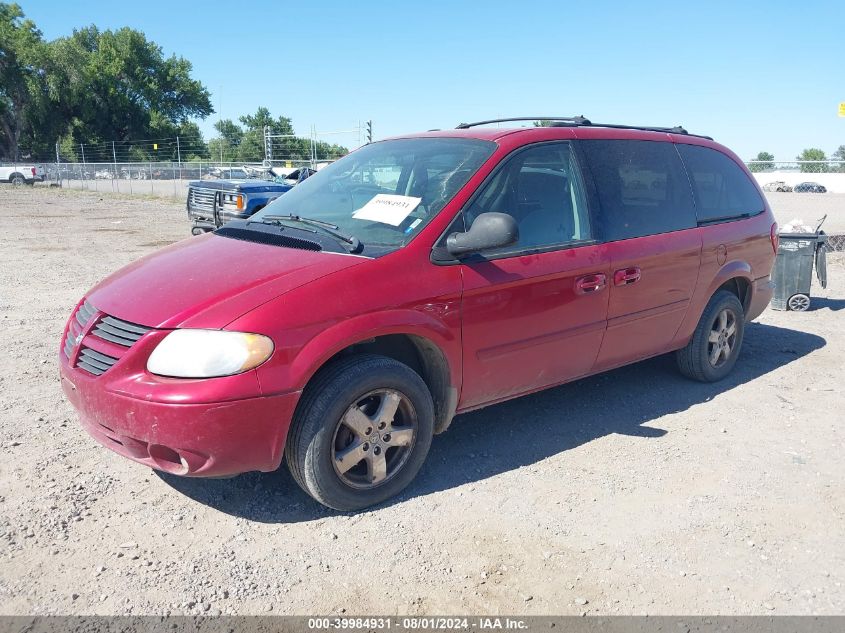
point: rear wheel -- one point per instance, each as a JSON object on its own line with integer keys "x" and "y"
{"x": 17, "y": 180}
{"x": 712, "y": 352}
{"x": 361, "y": 432}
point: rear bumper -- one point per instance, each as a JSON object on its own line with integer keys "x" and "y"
{"x": 761, "y": 294}
{"x": 195, "y": 440}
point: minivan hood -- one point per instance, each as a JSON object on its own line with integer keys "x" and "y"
{"x": 209, "y": 281}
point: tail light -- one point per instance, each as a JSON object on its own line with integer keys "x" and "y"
{"x": 773, "y": 235}
{"x": 33, "y": 171}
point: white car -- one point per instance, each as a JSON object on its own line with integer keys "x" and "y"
{"x": 21, "y": 174}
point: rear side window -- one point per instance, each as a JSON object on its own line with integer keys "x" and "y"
{"x": 641, "y": 186}
{"x": 722, "y": 190}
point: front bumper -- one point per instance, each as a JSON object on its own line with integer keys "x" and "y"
{"x": 203, "y": 440}
{"x": 214, "y": 218}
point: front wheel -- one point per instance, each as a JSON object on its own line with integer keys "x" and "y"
{"x": 712, "y": 352}
{"x": 361, "y": 432}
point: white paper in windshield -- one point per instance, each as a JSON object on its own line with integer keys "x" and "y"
{"x": 387, "y": 209}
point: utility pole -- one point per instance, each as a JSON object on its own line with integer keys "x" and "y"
{"x": 58, "y": 176}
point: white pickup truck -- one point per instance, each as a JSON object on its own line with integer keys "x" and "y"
{"x": 21, "y": 174}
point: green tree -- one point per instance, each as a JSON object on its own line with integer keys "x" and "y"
{"x": 543, "y": 123}
{"x": 813, "y": 154}
{"x": 24, "y": 89}
{"x": 329, "y": 151}
{"x": 839, "y": 155}
{"x": 224, "y": 147}
{"x": 245, "y": 143}
{"x": 191, "y": 142}
{"x": 252, "y": 145}
{"x": 119, "y": 85}
{"x": 763, "y": 162}
{"x": 93, "y": 87}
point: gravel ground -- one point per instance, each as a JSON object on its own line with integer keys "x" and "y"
{"x": 627, "y": 493}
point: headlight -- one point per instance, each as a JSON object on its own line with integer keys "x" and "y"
{"x": 208, "y": 353}
{"x": 235, "y": 200}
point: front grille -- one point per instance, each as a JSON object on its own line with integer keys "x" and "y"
{"x": 77, "y": 325}
{"x": 201, "y": 198}
{"x": 94, "y": 362}
{"x": 106, "y": 328}
{"x": 118, "y": 331}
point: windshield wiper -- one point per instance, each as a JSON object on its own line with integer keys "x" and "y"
{"x": 351, "y": 243}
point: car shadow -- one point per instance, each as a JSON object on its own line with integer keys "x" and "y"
{"x": 503, "y": 437}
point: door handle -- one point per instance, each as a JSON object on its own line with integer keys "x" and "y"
{"x": 589, "y": 284}
{"x": 627, "y": 276}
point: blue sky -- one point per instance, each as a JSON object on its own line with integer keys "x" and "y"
{"x": 754, "y": 75}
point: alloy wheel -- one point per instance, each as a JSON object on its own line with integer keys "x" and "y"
{"x": 722, "y": 338}
{"x": 374, "y": 438}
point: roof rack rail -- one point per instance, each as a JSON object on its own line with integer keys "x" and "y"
{"x": 571, "y": 120}
{"x": 577, "y": 121}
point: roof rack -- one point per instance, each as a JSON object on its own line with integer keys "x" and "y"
{"x": 571, "y": 120}
{"x": 578, "y": 121}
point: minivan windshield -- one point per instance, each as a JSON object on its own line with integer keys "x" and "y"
{"x": 382, "y": 194}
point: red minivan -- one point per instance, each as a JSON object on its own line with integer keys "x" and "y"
{"x": 417, "y": 278}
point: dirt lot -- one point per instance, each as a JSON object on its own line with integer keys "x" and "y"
{"x": 649, "y": 494}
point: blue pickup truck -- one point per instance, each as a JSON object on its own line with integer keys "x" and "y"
{"x": 212, "y": 203}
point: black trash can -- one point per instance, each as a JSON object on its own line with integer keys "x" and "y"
{"x": 798, "y": 254}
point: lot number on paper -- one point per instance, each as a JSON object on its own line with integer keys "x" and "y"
{"x": 387, "y": 209}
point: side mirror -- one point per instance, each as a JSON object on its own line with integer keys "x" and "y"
{"x": 488, "y": 231}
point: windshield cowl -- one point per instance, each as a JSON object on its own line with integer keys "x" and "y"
{"x": 287, "y": 236}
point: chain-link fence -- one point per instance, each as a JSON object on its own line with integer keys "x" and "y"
{"x": 812, "y": 176}
{"x": 167, "y": 179}
{"x": 798, "y": 166}
{"x": 164, "y": 166}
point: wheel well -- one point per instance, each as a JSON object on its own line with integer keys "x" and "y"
{"x": 741, "y": 288}
{"x": 425, "y": 358}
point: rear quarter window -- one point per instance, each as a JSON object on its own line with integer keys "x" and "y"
{"x": 641, "y": 186}
{"x": 723, "y": 191}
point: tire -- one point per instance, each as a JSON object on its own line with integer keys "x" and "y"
{"x": 695, "y": 361}
{"x": 196, "y": 230}
{"x": 349, "y": 394}
{"x": 17, "y": 180}
{"x": 798, "y": 303}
